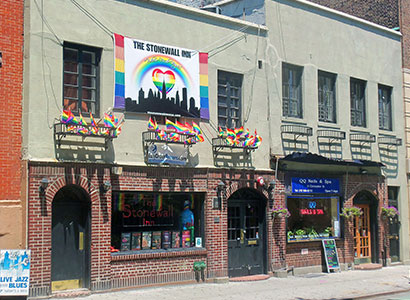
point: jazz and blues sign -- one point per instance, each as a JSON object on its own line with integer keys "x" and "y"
{"x": 311, "y": 185}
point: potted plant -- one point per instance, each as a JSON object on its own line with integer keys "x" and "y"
{"x": 389, "y": 212}
{"x": 280, "y": 212}
{"x": 350, "y": 212}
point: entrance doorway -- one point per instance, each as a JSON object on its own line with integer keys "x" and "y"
{"x": 246, "y": 233}
{"x": 394, "y": 225}
{"x": 362, "y": 235}
{"x": 365, "y": 229}
{"x": 70, "y": 235}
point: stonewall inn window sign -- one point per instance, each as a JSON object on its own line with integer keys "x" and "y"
{"x": 159, "y": 79}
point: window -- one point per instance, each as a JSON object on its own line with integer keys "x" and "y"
{"x": 229, "y": 99}
{"x": 313, "y": 218}
{"x": 81, "y": 79}
{"x": 385, "y": 119}
{"x": 292, "y": 91}
{"x": 327, "y": 97}
{"x": 357, "y": 102}
{"x": 148, "y": 220}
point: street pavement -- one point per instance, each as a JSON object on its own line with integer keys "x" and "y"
{"x": 375, "y": 284}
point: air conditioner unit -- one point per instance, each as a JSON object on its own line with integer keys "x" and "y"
{"x": 214, "y": 9}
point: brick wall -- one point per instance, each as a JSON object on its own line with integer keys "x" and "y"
{"x": 382, "y": 12}
{"x": 12, "y": 210}
{"x": 116, "y": 271}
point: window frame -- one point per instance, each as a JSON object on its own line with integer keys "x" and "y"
{"x": 80, "y": 61}
{"x": 226, "y": 80}
{"x": 289, "y": 101}
{"x": 330, "y": 108}
{"x": 356, "y": 101}
{"x": 313, "y": 198}
{"x": 387, "y": 117}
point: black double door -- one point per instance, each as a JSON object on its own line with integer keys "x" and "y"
{"x": 70, "y": 241}
{"x": 246, "y": 238}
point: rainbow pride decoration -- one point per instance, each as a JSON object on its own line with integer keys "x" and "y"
{"x": 141, "y": 67}
{"x": 119, "y": 72}
{"x": 174, "y": 130}
{"x": 240, "y": 138}
{"x": 82, "y": 128}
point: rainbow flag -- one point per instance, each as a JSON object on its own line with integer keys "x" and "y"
{"x": 161, "y": 135}
{"x": 119, "y": 68}
{"x": 197, "y": 129}
{"x": 230, "y": 134}
{"x": 221, "y": 132}
{"x": 71, "y": 128}
{"x": 238, "y": 132}
{"x": 82, "y": 131}
{"x": 190, "y": 129}
{"x": 109, "y": 120}
{"x": 247, "y": 134}
{"x": 105, "y": 131}
{"x": 173, "y": 136}
{"x": 181, "y": 128}
{"x": 82, "y": 121}
{"x": 170, "y": 125}
{"x": 120, "y": 202}
{"x": 66, "y": 116}
{"x": 117, "y": 131}
{"x": 158, "y": 202}
{"x": 152, "y": 124}
{"x": 190, "y": 141}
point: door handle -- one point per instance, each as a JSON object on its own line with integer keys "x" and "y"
{"x": 81, "y": 241}
{"x": 242, "y": 236}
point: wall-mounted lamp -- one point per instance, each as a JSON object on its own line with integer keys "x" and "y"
{"x": 362, "y": 171}
{"x": 43, "y": 185}
{"x": 217, "y": 202}
{"x": 105, "y": 187}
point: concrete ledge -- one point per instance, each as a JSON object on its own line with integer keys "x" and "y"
{"x": 307, "y": 270}
{"x": 218, "y": 280}
{"x": 281, "y": 273}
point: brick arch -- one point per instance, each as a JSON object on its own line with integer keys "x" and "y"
{"x": 370, "y": 188}
{"x": 236, "y": 186}
{"x": 78, "y": 180}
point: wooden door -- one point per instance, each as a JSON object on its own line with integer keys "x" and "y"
{"x": 362, "y": 238}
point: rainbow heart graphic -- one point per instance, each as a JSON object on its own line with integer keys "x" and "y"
{"x": 159, "y": 77}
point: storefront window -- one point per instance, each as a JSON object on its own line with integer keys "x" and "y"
{"x": 147, "y": 221}
{"x": 313, "y": 218}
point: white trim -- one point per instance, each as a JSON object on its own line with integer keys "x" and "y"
{"x": 208, "y": 14}
{"x": 330, "y": 10}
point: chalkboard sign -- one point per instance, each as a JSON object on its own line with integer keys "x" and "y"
{"x": 332, "y": 260}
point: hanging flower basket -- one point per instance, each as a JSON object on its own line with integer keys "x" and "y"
{"x": 389, "y": 212}
{"x": 350, "y": 212}
{"x": 280, "y": 212}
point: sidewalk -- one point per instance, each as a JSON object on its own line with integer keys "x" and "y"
{"x": 344, "y": 285}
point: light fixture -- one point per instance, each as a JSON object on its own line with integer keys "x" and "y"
{"x": 217, "y": 202}
{"x": 363, "y": 171}
{"x": 43, "y": 185}
{"x": 105, "y": 187}
{"x": 272, "y": 184}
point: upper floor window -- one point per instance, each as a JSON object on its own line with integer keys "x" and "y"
{"x": 81, "y": 79}
{"x": 357, "y": 102}
{"x": 327, "y": 97}
{"x": 292, "y": 91}
{"x": 385, "y": 117}
{"x": 229, "y": 99}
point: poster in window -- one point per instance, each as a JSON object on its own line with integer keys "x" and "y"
{"x": 14, "y": 273}
{"x": 176, "y": 239}
{"x": 186, "y": 238}
{"x": 125, "y": 241}
{"x": 146, "y": 240}
{"x": 155, "y": 78}
{"x": 166, "y": 239}
{"x": 156, "y": 240}
{"x": 136, "y": 241}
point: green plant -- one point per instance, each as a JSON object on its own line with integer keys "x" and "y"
{"x": 311, "y": 231}
{"x": 389, "y": 212}
{"x": 300, "y": 232}
{"x": 350, "y": 212}
{"x": 280, "y": 212}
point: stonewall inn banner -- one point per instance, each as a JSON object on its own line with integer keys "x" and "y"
{"x": 158, "y": 79}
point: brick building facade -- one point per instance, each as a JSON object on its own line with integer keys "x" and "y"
{"x": 12, "y": 203}
{"x": 91, "y": 195}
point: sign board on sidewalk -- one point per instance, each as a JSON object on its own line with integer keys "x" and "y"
{"x": 330, "y": 250}
{"x": 14, "y": 272}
